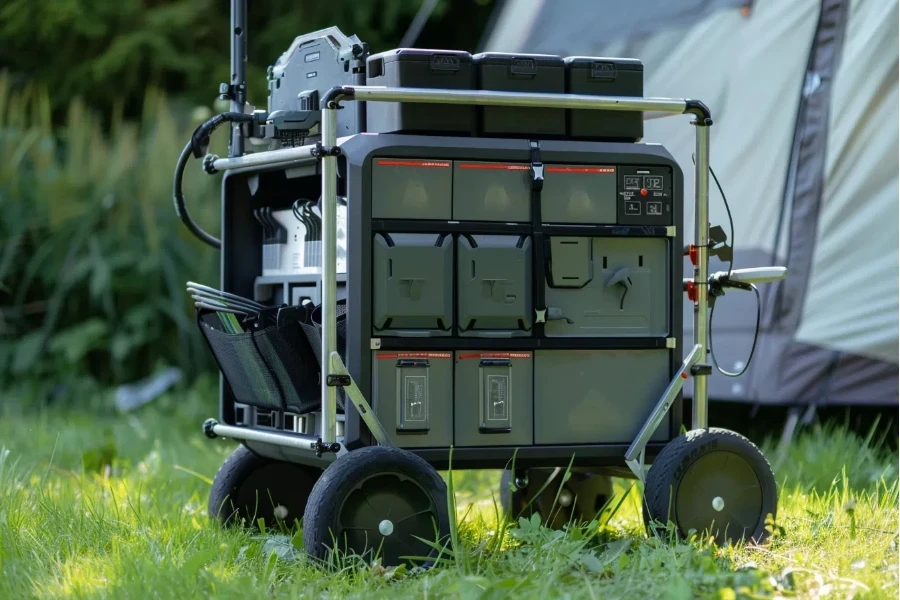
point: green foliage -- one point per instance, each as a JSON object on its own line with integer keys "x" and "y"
{"x": 93, "y": 259}
{"x": 110, "y": 50}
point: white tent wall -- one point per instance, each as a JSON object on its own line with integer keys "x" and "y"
{"x": 852, "y": 294}
{"x": 832, "y": 334}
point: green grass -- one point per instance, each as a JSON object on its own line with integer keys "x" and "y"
{"x": 95, "y": 505}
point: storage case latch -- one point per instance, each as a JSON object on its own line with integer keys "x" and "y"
{"x": 412, "y": 395}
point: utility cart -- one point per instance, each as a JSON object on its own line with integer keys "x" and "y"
{"x": 434, "y": 260}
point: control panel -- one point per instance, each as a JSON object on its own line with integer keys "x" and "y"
{"x": 644, "y": 196}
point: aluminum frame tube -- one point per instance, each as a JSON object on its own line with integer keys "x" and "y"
{"x": 488, "y": 98}
{"x": 265, "y": 158}
{"x": 329, "y": 270}
{"x": 700, "y": 412}
{"x": 301, "y": 442}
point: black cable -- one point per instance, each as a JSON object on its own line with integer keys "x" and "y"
{"x": 181, "y": 209}
{"x": 712, "y": 352}
{"x": 730, "y": 220}
{"x": 198, "y": 146}
{"x": 727, "y": 210}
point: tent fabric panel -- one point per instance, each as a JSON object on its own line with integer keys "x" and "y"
{"x": 721, "y": 61}
{"x": 807, "y": 168}
{"x": 852, "y": 300}
{"x": 815, "y": 375}
{"x": 563, "y": 27}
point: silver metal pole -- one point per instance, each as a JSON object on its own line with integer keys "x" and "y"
{"x": 269, "y": 157}
{"x": 238, "y": 71}
{"x": 301, "y": 442}
{"x": 329, "y": 272}
{"x": 701, "y": 271}
{"x": 486, "y": 98}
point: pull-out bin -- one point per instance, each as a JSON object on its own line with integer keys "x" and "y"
{"x": 413, "y": 397}
{"x": 592, "y": 76}
{"x": 579, "y": 194}
{"x": 411, "y": 189}
{"x": 597, "y": 396}
{"x": 412, "y": 284}
{"x": 491, "y": 191}
{"x": 494, "y": 284}
{"x": 493, "y": 399}
{"x": 420, "y": 68}
{"x": 530, "y": 73}
{"x": 627, "y": 294}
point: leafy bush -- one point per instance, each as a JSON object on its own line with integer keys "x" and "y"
{"x": 112, "y": 49}
{"x": 93, "y": 259}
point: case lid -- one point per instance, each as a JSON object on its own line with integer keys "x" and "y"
{"x": 604, "y": 66}
{"x": 519, "y": 63}
{"x": 451, "y": 59}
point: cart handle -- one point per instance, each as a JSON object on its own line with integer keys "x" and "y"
{"x": 333, "y": 97}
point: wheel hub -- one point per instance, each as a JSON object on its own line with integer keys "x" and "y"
{"x": 387, "y": 513}
{"x": 385, "y": 528}
{"x": 728, "y": 516}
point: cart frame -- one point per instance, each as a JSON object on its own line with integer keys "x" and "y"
{"x": 334, "y": 372}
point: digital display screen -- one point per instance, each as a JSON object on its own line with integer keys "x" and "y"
{"x": 653, "y": 183}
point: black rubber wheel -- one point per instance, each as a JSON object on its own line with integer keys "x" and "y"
{"x": 581, "y": 500}
{"x": 714, "y": 482}
{"x": 249, "y": 487}
{"x": 374, "y": 502}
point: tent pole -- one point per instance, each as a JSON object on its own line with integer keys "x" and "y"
{"x": 700, "y": 416}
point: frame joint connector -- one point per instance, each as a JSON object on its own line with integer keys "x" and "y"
{"x": 320, "y": 151}
{"x": 699, "y": 110}
{"x": 337, "y": 380}
{"x": 332, "y": 98}
{"x": 209, "y": 428}
{"x": 321, "y": 448}
{"x": 701, "y": 370}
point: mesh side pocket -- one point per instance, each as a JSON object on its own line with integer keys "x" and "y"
{"x": 293, "y": 362}
{"x": 313, "y": 333}
{"x": 241, "y": 364}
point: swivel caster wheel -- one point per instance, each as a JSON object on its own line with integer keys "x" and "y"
{"x": 375, "y": 502}
{"x": 249, "y": 487}
{"x": 580, "y": 501}
{"x": 714, "y": 482}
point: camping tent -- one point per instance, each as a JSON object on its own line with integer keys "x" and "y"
{"x": 805, "y": 143}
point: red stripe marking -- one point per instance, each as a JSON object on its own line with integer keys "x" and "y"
{"x": 494, "y": 166}
{"x": 581, "y": 170}
{"x": 495, "y": 355}
{"x": 413, "y": 163}
{"x": 415, "y": 355}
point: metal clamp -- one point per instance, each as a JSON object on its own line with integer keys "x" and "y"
{"x": 320, "y": 151}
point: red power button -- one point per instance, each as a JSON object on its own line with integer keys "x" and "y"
{"x": 643, "y": 191}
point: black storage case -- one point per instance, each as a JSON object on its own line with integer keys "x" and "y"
{"x": 594, "y": 76}
{"x": 420, "y": 68}
{"x": 529, "y": 73}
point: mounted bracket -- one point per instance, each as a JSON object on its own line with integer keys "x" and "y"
{"x": 338, "y": 370}
{"x": 718, "y": 244}
{"x": 634, "y": 458}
